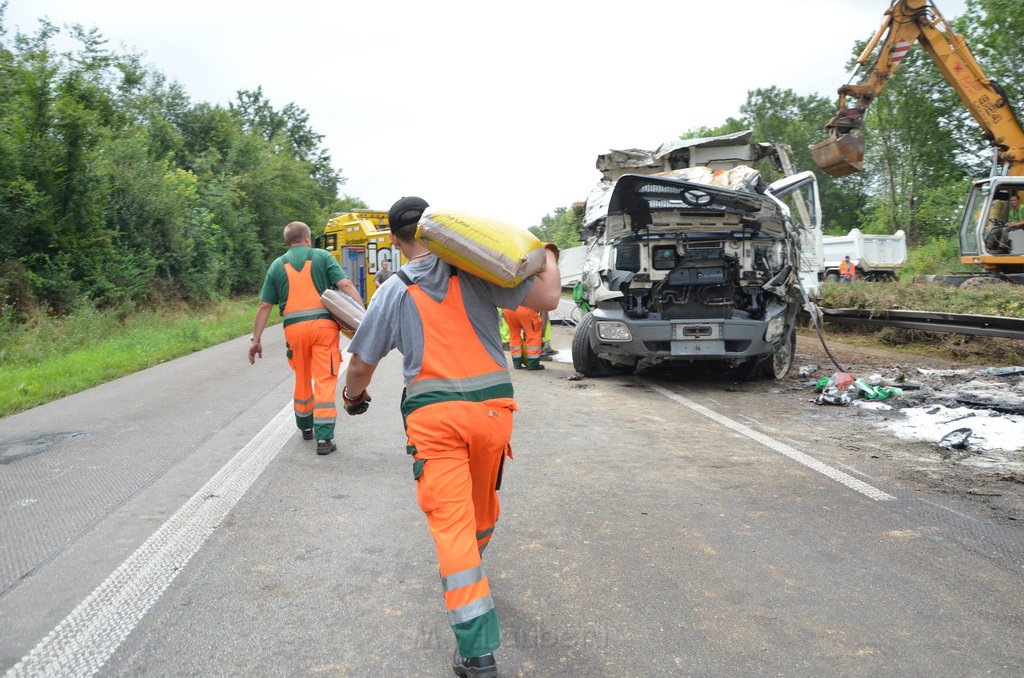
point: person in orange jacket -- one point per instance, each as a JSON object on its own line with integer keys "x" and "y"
{"x": 525, "y": 337}
{"x": 457, "y": 405}
{"x": 295, "y": 281}
{"x": 846, "y": 269}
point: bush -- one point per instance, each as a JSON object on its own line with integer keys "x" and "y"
{"x": 1001, "y": 299}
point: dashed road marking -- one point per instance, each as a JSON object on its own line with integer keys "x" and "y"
{"x": 82, "y": 643}
{"x": 796, "y": 455}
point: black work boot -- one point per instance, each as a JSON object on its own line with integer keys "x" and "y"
{"x": 475, "y": 667}
{"x": 534, "y": 365}
{"x": 325, "y": 446}
{"x": 307, "y": 434}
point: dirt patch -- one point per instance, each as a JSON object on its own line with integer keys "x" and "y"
{"x": 942, "y": 346}
{"x": 969, "y": 395}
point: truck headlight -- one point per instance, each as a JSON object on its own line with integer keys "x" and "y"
{"x": 775, "y": 328}
{"x": 614, "y": 331}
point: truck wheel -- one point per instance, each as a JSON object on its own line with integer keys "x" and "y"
{"x": 777, "y": 365}
{"x": 585, "y": 361}
{"x": 832, "y": 277}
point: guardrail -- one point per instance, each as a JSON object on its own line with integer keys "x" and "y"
{"x": 957, "y": 323}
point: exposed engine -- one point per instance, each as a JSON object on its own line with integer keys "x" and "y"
{"x": 696, "y": 280}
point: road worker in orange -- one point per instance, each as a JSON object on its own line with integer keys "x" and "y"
{"x": 458, "y": 404}
{"x": 525, "y": 337}
{"x": 295, "y": 281}
{"x": 846, "y": 269}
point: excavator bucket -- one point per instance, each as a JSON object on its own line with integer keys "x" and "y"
{"x": 839, "y": 156}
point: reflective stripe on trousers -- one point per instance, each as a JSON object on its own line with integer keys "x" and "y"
{"x": 525, "y": 333}
{"x": 316, "y": 360}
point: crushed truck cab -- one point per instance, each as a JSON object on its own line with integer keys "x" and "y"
{"x": 696, "y": 264}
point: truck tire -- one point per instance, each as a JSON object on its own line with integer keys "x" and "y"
{"x": 832, "y": 276}
{"x": 773, "y": 366}
{"x": 585, "y": 361}
{"x": 776, "y": 365}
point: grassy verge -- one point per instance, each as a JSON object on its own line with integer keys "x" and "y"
{"x": 50, "y": 358}
{"x": 1000, "y": 299}
{"x": 47, "y": 358}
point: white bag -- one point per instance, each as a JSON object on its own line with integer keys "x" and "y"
{"x": 346, "y": 310}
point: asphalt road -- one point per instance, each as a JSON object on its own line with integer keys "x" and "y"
{"x": 174, "y": 523}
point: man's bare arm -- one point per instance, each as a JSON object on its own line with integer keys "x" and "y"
{"x": 358, "y": 375}
{"x": 256, "y": 345}
{"x": 345, "y": 286}
{"x": 547, "y": 286}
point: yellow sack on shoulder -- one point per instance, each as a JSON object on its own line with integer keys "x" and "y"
{"x": 490, "y": 249}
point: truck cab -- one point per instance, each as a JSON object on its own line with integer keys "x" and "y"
{"x": 697, "y": 264}
{"x": 360, "y": 240}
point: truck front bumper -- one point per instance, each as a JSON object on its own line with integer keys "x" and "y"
{"x": 616, "y": 337}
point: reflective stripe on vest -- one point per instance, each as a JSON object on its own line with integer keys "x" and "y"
{"x": 455, "y": 365}
{"x": 303, "y": 299}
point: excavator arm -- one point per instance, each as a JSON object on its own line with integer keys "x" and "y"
{"x": 906, "y": 22}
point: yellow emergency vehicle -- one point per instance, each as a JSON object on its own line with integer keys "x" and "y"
{"x": 360, "y": 240}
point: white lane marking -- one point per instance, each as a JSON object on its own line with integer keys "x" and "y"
{"x": 797, "y": 456}
{"x": 82, "y": 643}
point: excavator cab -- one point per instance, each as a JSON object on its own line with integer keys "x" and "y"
{"x": 983, "y": 237}
{"x": 839, "y": 155}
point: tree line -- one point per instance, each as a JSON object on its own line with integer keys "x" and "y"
{"x": 116, "y": 188}
{"x": 923, "y": 147}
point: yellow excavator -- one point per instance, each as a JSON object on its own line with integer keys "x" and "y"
{"x": 987, "y": 235}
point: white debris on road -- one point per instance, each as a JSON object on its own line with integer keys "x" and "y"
{"x": 996, "y": 441}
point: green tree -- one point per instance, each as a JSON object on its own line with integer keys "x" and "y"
{"x": 781, "y": 116}
{"x": 115, "y": 187}
{"x": 994, "y": 30}
{"x": 561, "y": 228}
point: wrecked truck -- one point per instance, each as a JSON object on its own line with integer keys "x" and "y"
{"x": 701, "y": 263}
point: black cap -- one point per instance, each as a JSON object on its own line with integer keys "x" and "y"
{"x": 406, "y": 212}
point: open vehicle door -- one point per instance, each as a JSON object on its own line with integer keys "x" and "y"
{"x": 799, "y": 194}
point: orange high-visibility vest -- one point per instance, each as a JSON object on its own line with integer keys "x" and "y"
{"x": 846, "y": 268}
{"x": 455, "y": 364}
{"x": 303, "y": 298}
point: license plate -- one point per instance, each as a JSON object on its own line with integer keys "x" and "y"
{"x": 696, "y": 331}
{"x": 712, "y": 347}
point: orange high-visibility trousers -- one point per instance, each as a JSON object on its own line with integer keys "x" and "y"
{"x": 458, "y": 419}
{"x": 459, "y": 453}
{"x": 525, "y": 335}
{"x": 316, "y": 359}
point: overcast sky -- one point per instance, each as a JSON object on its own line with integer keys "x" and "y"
{"x": 498, "y": 109}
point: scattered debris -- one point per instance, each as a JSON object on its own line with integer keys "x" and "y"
{"x": 984, "y": 492}
{"x": 841, "y": 388}
{"x": 807, "y": 370}
{"x": 956, "y": 439}
{"x": 1000, "y": 371}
